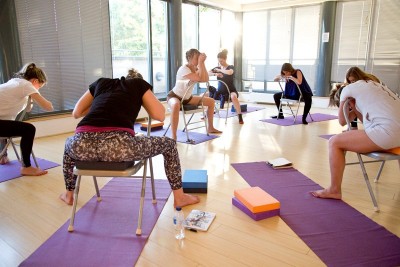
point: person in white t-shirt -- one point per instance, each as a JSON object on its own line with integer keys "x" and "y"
{"x": 187, "y": 76}
{"x": 379, "y": 109}
{"x": 14, "y": 96}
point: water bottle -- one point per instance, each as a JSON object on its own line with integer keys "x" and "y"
{"x": 179, "y": 217}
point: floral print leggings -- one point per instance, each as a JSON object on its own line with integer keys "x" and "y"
{"x": 120, "y": 146}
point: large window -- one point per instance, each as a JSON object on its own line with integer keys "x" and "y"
{"x": 132, "y": 44}
{"x": 70, "y": 41}
{"x": 273, "y": 37}
{"x": 367, "y": 36}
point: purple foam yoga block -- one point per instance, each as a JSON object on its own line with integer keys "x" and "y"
{"x": 255, "y": 216}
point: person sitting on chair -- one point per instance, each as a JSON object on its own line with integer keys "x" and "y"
{"x": 225, "y": 73}
{"x": 293, "y": 77}
{"x": 187, "y": 76}
{"x": 379, "y": 109}
{"x": 109, "y": 109}
{"x": 14, "y": 98}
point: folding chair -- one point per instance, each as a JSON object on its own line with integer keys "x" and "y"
{"x": 113, "y": 169}
{"x": 377, "y": 156}
{"x": 228, "y": 101}
{"x": 9, "y": 140}
{"x": 192, "y": 110}
{"x": 291, "y": 102}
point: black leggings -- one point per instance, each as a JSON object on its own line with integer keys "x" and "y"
{"x": 307, "y": 98}
{"x": 20, "y": 129}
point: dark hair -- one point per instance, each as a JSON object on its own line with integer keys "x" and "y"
{"x": 191, "y": 53}
{"x": 30, "y": 71}
{"x": 133, "y": 73}
{"x": 358, "y": 74}
{"x": 287, "y": 67}
{"x": 223, "y": 54}
{"x": 334, "y": 95}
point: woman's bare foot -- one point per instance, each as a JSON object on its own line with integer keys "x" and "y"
{"x": 213, "y": 130}
{"x": 32, "y": 171}
{"x": 67, "y": 197}
{"x": 4, "y": 160}
{"x": 326, "y": 193}
{"x": 185, "y": 200}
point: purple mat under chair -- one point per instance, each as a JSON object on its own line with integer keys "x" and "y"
{"x": 12, "y": 169}
{"x": 288, "y": 120}
{"x": 104, "y": 232}
{"x": 222, "y": 112}
{"x": 181, "y": 136}
{"x": 337, "y": 233}
{"x": 326, "y": 136}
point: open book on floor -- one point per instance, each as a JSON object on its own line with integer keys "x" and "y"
{"x": 199, "y": 220}
{"x": 280, "y": 163}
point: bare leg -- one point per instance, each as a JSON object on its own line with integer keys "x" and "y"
{"x": 236, "y": 104}
{"x": 210, "y": 104}
{"x": 355, "y": 141}
{"x": 4, "y": 160}
{"x": 67, "y": 197}
{"x": 32, "y": 171}
{"x": 174, "y": 105}
{"x": 181, "y": 199}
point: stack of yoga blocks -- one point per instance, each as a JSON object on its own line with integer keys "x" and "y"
{"x": 195, "y": 181}
{"x": 256, "y": 203}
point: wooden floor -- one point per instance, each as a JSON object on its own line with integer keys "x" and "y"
{"x": 30, "y": 211}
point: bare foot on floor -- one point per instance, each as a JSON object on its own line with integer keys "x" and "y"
{"x": 325, "y": 193}
{"x": 67, "y": 199}
{"x": 4, "y": 160}
{"x": 32, "y": 171}
{"x": 186, "y": 200}
{"x": 213, "y": 130}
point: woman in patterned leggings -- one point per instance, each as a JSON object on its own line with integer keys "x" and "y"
{"x": 110, "y": 108}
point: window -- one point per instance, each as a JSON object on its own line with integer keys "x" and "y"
{"x": 69, "y": 41}
{"x": 273, "y": 37}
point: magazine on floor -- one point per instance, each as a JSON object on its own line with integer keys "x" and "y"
{"x": 199, "y": 220}
{"x": 280, "y": 163}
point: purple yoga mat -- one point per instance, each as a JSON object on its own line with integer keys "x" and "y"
{"x": 222, "y": 112}
{"x": 288, "y": 120}
{"x": 12, "y": 169}
{"x": 339, "y": 234}
{"x": 104, "y": 232}
{"x": 181, "y": 136}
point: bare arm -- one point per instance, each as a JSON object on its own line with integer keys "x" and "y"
{"x": 153, "y": 106}
{"x": 83, "y": 105}
{"x": 42, "y": 102}
{"x": 352, "y": 113}
{"x": 299, "y": 78}
{"x": 201, "y": 75}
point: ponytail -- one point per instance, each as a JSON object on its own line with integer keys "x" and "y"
{"x": 31, "y": 71}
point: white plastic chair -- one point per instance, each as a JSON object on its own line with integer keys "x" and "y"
{"x": 113, "y": 169}
{"x": 377, "y": 156}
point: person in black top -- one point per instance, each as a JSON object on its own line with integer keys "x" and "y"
{"x": 293, "y": 77}
{"x": 109, "y": 110}
{"x": 225, "y": 73}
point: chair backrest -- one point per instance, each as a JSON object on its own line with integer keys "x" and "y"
{"x": 22, "y": 114}
{"x": 296, "y": 87}
{"x": 187, "y": 107}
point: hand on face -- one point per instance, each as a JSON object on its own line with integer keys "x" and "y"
{"x": 202, "y": 57}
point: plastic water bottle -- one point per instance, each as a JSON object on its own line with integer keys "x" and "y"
{"x": 179, "y": 217}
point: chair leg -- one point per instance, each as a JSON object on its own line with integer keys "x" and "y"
{"x": 227, "y": 111}
{"x": 169, "y": 125}
{"x": 153, "y": 190}
{"x": 96, "y": 186}
{"x": 309, "y": 114}
{"x": 15, "y": 150}
{"x": 76, "y": 193}
{"x": 297, "y": 112}
{"x": 34, "y": 159}
{"x": 371, "y": 193}
{"x": 143, "y": 192}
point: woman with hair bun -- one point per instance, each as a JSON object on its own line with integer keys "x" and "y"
{"x": 225, "y": 73}
{"x": 14, "y": 96}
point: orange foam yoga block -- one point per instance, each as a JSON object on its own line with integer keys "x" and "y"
{"x": 153, "y": 124}
{"x": 395, "y": 150}
{"x": 256, "y": 199}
